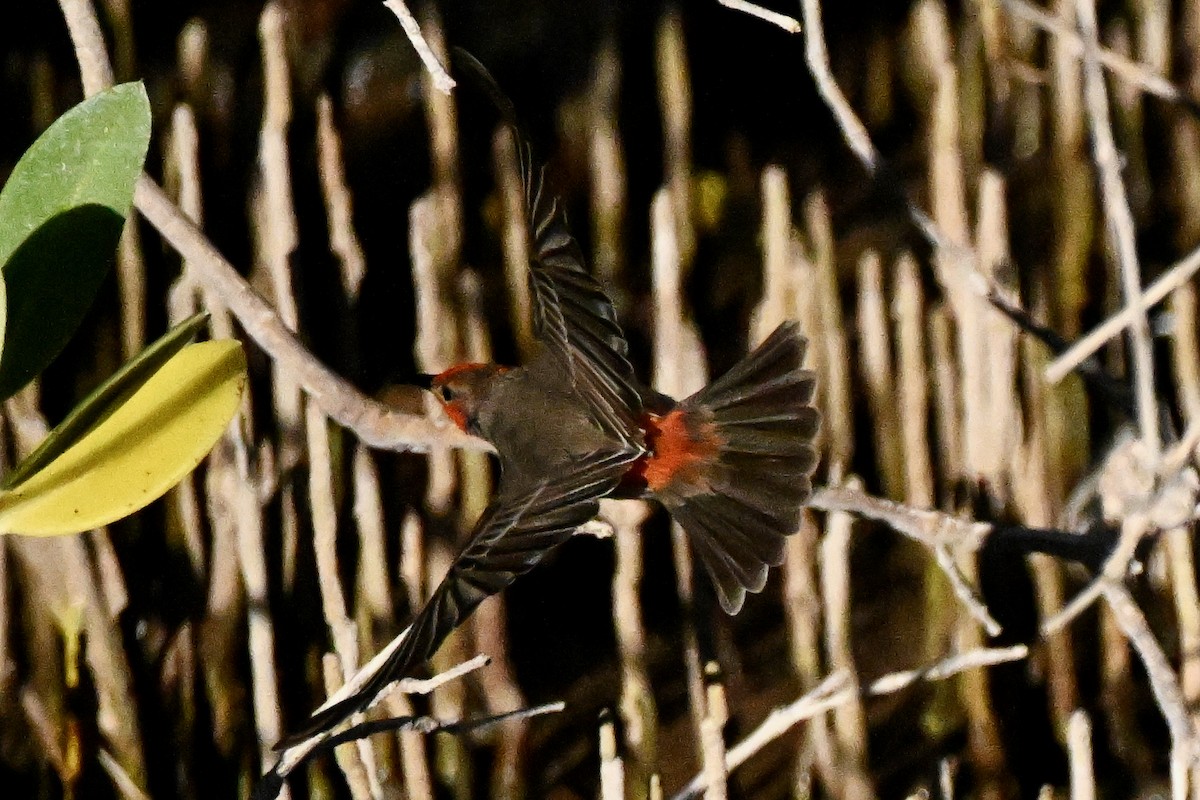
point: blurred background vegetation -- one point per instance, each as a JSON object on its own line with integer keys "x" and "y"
{"x": 131, "y": 663}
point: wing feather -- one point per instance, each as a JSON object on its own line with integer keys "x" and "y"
{"x": 518, "y": 530}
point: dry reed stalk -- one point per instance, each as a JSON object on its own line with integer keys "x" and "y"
{"x": 1148, "y": 77}
{"x": 342, "y": 631}
{"x": 778, "y": 299}
{"x": 675, "y": 105}
{"x": 1079, "y": 750}
{"x": 514, "y": 236}
{"x": 712, "y": 737}
{"x": 678, "y": 371}
{"x": 850, "y": 720}
{"x": 375, "y": 590}
{"x": 832, "y": 361}
{"x": 876, "y": 372}
{"x": 612, "y": 768}
{"x": 908, "y": 307}
{"x": 452, "y": 760}
{"x": 606, "y": 161}
{"x": 639, "y": 714}
{"x": 802, "y": 609}
{"x": 349, "y": 760}
{"x": 339, "y": 204}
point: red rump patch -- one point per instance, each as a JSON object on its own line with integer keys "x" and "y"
{"x": 678, "y": 447}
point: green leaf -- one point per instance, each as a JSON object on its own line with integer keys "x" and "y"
{"x": 96, "y": 407}
{"x": 61, "y": 214}
{"x": 139, "y": 451}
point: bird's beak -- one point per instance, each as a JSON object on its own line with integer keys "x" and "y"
{"x": 424, "y": 381}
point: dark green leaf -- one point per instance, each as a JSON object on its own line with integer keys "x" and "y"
{"x": 61, "y": 214}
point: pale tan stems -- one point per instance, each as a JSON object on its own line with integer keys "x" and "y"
{"x": 802, "y": 609}
{"x": 375, "y": 587}
{"x": 437, "y": 344}
{"x": 607, "y": 167}
{"x": 1079, "y": 750}
{"x": 875, "y": 371}
{"x": 777, "y": 301}
{"x": 1001, "y": 428}
{"x": 1185, "y": 350}
{"x": 452, "y": 761}
{"x": 849, "y": 721}
{"x": 947, "y": 189}
{"x": 712, "y": 740}
{"x": 908, "y": 309}
{"x": 830, "y": 337}
{"x": 234, "y": 509}
{"x": 441, "y": 116}
{"x": 639, "y": 715}
{"x": 514, "y": 236}
{"x": 131, "y": 286}
{"x": 946, "y": 415}
{"x": 323, "y": 505}
{"x": 412, "y": 558}
{"x": 612, "y": 768}
{"x": 675, "y": 104}
{"x": 347, "y": 758}
{"x": 374, "y": 580}
{"x": 182, "y": 162}
{"x": 836, "y": 690}
{"x": 1069, "y": 123}
{"x": 339, "y": 204}
{"x": 1147, "y": 77}
{"x": 191, "y": 54}
{"x": 984, "y": 742}
{"x": 274, "y": 218}
{"x": 671, "y": 335}
{"x": 90, "y": 52}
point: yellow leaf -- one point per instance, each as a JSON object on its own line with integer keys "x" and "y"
{"x": 146, "y": 446}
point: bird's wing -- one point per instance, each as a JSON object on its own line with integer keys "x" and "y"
{"x": 516, "y": 531}
{"x": 573, "y": 318}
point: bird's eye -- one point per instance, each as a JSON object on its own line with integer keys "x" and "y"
{"x": 445, "y": 393}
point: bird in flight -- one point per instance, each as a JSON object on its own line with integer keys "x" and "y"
{"x": 732, "y": 463}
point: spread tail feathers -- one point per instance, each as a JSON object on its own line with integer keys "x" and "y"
{"x": 752, "y": 434}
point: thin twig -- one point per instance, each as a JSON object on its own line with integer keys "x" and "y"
{"x": 789, "y": 24}
{"x": 441, "y": 79}
{"x": 1119, "y": 221}
{"x": 1176, "y": 276}
{"x": 836, "y": 690}
{"x": 1143, "y": 76}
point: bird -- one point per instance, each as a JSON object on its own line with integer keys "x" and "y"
{"x": 732, "y": 463}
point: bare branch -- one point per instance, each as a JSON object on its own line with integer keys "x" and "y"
{"x": 441, "y": 79}
{"x": 789, "y": 24}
